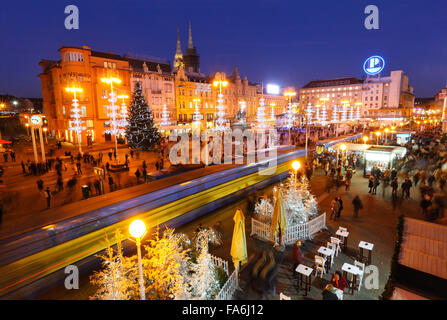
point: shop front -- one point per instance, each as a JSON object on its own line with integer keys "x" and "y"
{"x": 382, "y": 157}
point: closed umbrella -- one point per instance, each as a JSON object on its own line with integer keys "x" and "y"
{"x": 279, "y": 220}
{"x": 239, "y": 241}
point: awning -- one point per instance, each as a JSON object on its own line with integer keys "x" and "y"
{"x": 5, "y": 142}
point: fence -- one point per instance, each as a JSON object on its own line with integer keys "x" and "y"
{"x": 227, "y": 291}
{"x": 302, "y": 231}
{"x": 218, "y": 262}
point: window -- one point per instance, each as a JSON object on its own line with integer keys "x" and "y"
{"x": 84, "y": 111}
{"x": 109, "y": 65}
{"x": 104, "y": 94}
{"x": 63, "y": 110}
{"x": 89, "y": 123}
{"x": 179, "y": 117}
{"x": 74, "y": 57}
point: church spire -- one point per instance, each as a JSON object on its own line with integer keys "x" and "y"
{"x": 178, "y": 58}
{"x": 179, "y": 47}
{"x": 190, "y": 45}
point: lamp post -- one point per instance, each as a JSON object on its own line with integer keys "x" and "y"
{"x": 220, "y": 121}
{"x": 365, "y": 138}
{"x": 113, "y": 109}
{"x": 342, "y": 148}
{"x": 386, "y": 135}
{"x": 289, "y": 95}
{"x": 137, "y": 229}
{"x": 296, "y": 166}
{"x": 377, "y": 136}
{"x": 76, "y": 115}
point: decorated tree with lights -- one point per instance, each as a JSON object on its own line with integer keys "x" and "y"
{"x": 204, "y": 282}
{"x": 166, "y": 267}
{"x": 141, "y": 132}
{"x": 351, "y": 113}
{"x": 334, "y": 114}
{"x": 165, "y": 116}
{"x": 117, "y": 280}
{"x": 260, "y": 115}
{"x": 264, "y": 210}
{"x": 323, "y": 115}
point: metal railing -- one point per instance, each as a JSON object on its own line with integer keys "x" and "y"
{"x": 229, "y": 288}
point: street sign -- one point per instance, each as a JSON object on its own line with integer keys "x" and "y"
{"x": 36, "y": 120}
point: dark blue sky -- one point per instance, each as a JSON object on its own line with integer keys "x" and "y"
{"x": 288, "y": 42}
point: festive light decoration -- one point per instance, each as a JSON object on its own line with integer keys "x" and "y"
{"x": 260, "y": 115}
{"x": 323, "y": 115}
{"x": 272, "y": 114}
{"x": 220, "y": 121}
{"x": 351, "y": 114}
{"x": 317, "y": 114}
{"x": 196, "y": 116}
{"x": 309, "y": 112}
{"x": 343, "y": 113}
{"x": 357, "y": 114}
{"x": 289, "y": 116}
{"x": 165, "y": 116}
{"x": 334, "y": 114}
{"x": 76, "y": 114}
{"x": 122, "y": 122}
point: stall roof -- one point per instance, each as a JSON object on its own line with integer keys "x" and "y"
{"x": 387, "y": 149}
{"x": 351, "y": 146}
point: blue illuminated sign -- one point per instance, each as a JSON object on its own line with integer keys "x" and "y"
{"x": 374, "y": 65}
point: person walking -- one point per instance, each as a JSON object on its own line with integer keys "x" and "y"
{"x": 416, "y": 177}
{"x": 97, "y": 184}
{"x": 157, "y": 165}
{"x": 425, "y": 204}
{"x": 376, "y": 183}
{"x": 5, "y": 156}
{"x": 340, "y": 208}
{"x": 138, "y": 174}
{"x": 347, "y": 184}
{"x": 13, "y": 156}
{"x": 47, "y": 194}
{"x": 60, "y": 184}
{"x": 394, "y": 185}
{"x": 144, "y": 175}
{"x": 370, "y": 183}
{"x": 357, "y": 203}
{"x": 335, "y": 205}
{"x": 78, "y": 166}
{"x": 110, "y": 183}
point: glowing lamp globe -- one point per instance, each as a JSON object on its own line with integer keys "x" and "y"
{"x": 365, "y": 138}
{"x": 296, "y": 165}
{"x": 137, "y": 228}
{"x": 343, "y": 147}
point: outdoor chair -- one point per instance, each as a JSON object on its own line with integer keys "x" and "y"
{"x": 319, "y": 265}
{"x": 333, "y": 247}
{"x": 343, "y": 229}
{"x": 283, "y": 297}
{"x": 336, "y": 241}
{"x": 361, "y": 267}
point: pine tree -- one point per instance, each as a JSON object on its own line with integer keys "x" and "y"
{"x": 118, "y": 279}
{"x": 141, "y": 132}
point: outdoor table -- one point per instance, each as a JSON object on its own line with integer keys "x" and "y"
{"x": 344, "y": 235}
{"x": 328, "y": 253}
{"x": 354, "y": 270}
{"x": 306, "y": 273}
{"x": 367, "y": 246}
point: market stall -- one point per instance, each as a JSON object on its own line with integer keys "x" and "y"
{"x": 403, "y": 137}
{"x": 382, "y": 157}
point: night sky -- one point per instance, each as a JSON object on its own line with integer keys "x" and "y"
{"x": 275, "y": 41}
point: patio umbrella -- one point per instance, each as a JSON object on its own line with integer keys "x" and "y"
{"x": 279, "y": 220}
{"x": 239, "y": 241}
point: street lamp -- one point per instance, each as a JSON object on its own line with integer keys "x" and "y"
{"x": 137, "y": 229}
{"x": 76, "y": 115}
{"x": 386, "y": 134}
{"x": 296, "y": 166}
{"x": 377, "y": 135}
{"x": 365, "y": 138}
{"x": 113, "y": 109}
{"x": 289, "y": 95}
{"x": 220, "y": 107}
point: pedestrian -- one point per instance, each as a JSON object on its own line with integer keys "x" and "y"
{"x": 96, "y": 183}
{"x": 357, "y": 203}
{"x": 376, "y": 183}
{"x": 131, "y": 154}
{"x": 47, "y": 194}
{"x": 110, "y": 183}
{"x": 335, "y": 205}
{"x": 23, "y": 167}
{"x": 157, "y": 165}
{"x": 110, "y": 156}
{"x": 370, "y": 183}
{"x": 40, "y": 184}
{"x": 138, "y": 174}
{"x": 340, "y": 207}
{"x": 5, "y": 156}
{"x": 144, "y": 175}
{"x": 297, "y": 257}
{"x": 416, "y": 178}
{"x": 107, "y": 166}
{"x": 13, "y": 156}
{"x": 394, "y": 185}
{"x": 425, "y": 204}
{"x": 347, "y": 184}
{"x": 78, "y": 166}
{"x": 60, "y": 184}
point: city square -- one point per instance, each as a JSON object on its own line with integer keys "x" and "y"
{"x": 237, "y": 168}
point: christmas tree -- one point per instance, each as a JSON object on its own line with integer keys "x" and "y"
{"x": 141, "y": 132}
